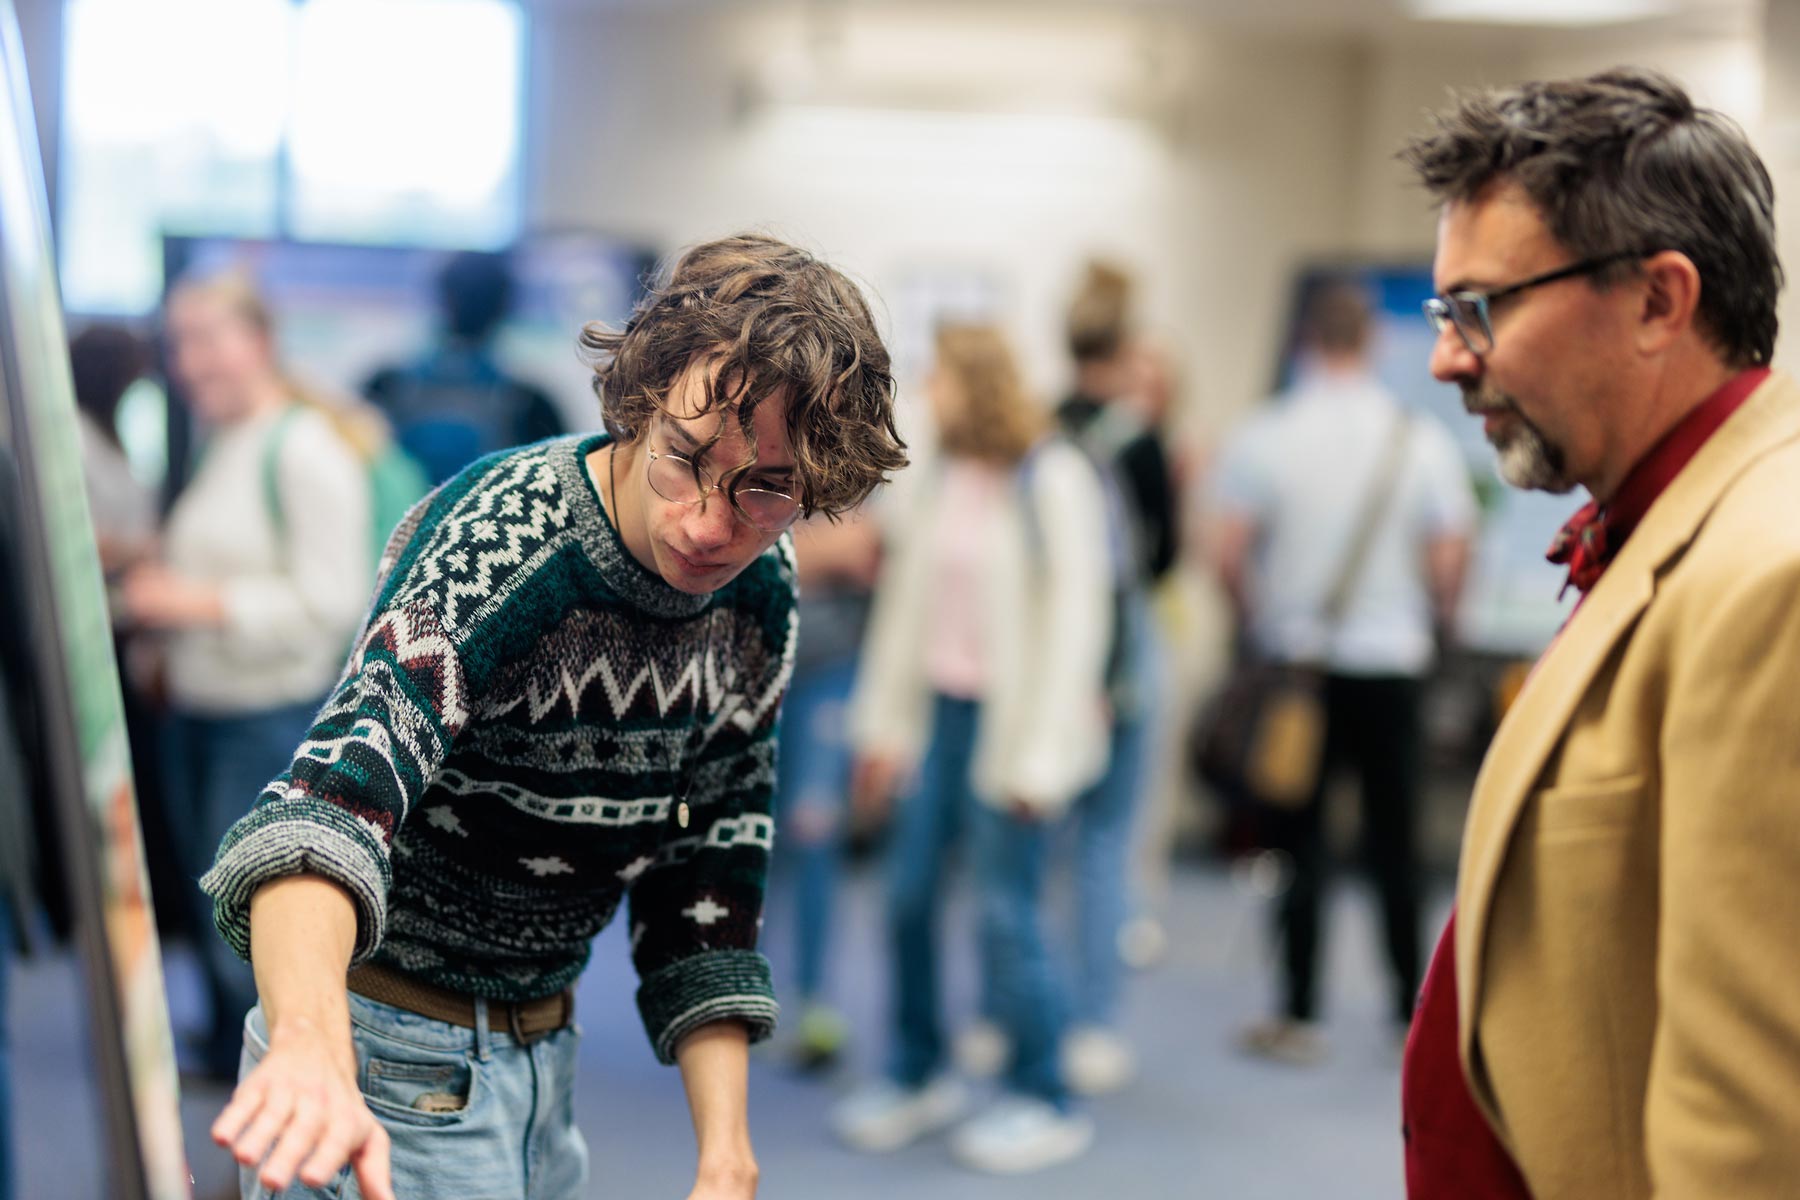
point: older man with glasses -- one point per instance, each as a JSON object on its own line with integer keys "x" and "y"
{"x": 565, "y": 698}
{"x": 1612, "y": 1011}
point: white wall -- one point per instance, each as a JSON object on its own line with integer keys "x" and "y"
{"x": 1212, "y": 190}
{"x": 922, "y": 144}
{"x": 1404, "y": 79}
{"x": 1781, "y": 134}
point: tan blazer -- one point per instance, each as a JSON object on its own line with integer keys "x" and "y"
{"x": 1628, "y": 929}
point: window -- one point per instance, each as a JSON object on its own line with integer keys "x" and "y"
{"x": 386, "y": 121}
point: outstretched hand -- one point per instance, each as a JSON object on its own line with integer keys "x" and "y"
{"x": 299, "y": 1112}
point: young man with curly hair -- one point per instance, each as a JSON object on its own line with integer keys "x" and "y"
{"x": 565, "y": 696}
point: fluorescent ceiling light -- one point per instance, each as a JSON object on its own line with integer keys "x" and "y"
{"x": 1541, "y": 12}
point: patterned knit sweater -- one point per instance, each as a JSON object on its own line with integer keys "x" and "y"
{"x": 506, "y": 755}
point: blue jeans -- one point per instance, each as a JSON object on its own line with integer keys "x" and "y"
{"x": 1105, "y": 890}
{"x": 1103, "y": 828}
{"x": 215, "y": 767}
{"x": 513, "y": 1137}
{"x": 814, "y": 788}
{"x": 1008, "y": 858}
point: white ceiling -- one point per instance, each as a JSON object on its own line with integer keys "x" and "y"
{"x": 1324, "y": 18}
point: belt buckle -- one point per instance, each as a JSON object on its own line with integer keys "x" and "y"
{"x": 527, "y": 1039}
{"x": 519, "y": 1035}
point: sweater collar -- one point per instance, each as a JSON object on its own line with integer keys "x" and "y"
{"x": 629, "y": 578}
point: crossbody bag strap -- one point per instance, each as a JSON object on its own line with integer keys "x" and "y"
{"x": 1356, "y": 556}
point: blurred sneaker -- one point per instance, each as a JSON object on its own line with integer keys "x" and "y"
{"x": 1142, "y": 943}
{"x": 1280, "y": 1039}
{"x": 1096, "y": 1061}
{"x": 1019, "y": 1134}
{"x": 982, "y": 1050}
{"x": 883, "y": 1116}
{"x": 818, "y": 1040}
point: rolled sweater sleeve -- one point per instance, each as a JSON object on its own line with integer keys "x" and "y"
{"x": 696, "y": 913}
{"x": 381, "y": 735}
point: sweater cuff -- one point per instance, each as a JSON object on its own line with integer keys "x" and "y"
{"x": 293, "y": 837}
{"x": 714, "y": 985}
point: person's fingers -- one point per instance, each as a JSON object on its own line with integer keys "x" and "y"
{"x": 373, "y": 1174}
{"x": 298, "y": 1137}
{"x": 343, "y": 1134}
{"x": 236, "y": 1114}
{"x": 252, "y": 1146}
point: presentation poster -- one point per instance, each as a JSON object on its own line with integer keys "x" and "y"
{"x": 78, "y": 684}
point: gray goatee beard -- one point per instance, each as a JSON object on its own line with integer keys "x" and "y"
{"x": 1527, "y": 459}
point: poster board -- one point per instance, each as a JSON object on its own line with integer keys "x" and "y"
{"x": 76, "y": 681}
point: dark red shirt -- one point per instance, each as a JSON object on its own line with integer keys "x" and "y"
{"x": 1451, "y": 1152}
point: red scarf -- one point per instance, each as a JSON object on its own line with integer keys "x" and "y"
{"x": 1593, "y": 535}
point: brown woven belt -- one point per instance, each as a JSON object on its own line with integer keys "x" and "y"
{"x": 526, "y": 1020}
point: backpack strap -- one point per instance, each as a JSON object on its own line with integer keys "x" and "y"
{"x": 1025, "y": 480}
{"x": 271, "y": 469}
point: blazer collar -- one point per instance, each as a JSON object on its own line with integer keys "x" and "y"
{"x": 1534, "y": 726}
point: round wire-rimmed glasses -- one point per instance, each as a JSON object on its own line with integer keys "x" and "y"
{"x": 680, "y": 480}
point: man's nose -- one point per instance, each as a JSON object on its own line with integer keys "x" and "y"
{"x": 710, "y": 523}
{"x": 1451, "y": 358}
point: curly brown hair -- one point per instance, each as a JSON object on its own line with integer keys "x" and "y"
{"x": 997, "y": 421}
{"x": 774, "y": 320}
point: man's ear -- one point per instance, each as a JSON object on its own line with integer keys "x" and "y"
{"x": 1671, "y": 298}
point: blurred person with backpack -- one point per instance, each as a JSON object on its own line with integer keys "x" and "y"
{"x": 456, "y": 402}
{"x": 983, "y": 683}
{"x": 1341, "y": 536}
{"x": 1105, "y": 416}
{"x": 266, "y": 565}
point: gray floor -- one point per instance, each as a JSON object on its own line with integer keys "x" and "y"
{"x": 1200, "y": 1121}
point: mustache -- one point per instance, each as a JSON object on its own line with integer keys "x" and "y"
{"x": 1480, "y": 402}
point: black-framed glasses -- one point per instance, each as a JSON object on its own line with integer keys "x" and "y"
{"x": 1469, "y": 310}
{"x": 680, "y": 480}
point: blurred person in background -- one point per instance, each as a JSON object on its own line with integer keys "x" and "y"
{"x": 983, "y": 680}
{"x": 105, "y": 360}
{"x": 456, "y": 402}
{"x": 1290, "y": 489}
{"x": 565, "y": 699}
{"x": 837, "y": 563}
{"x": 19, "y": 766}
{"x": 1612, "y": 1009}
{"x": 1110, "y": 416}
{"x": 264, "y": 570}
{"x": 1113, "y": 411}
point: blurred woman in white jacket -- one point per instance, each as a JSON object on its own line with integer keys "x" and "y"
{"x": 265, "y": 570}
{"x": 982, "y": 685}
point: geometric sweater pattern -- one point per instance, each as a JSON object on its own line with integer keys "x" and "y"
{"x": 531, "y": 729}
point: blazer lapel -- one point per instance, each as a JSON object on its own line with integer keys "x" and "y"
{"x": 1534, "y": 727}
